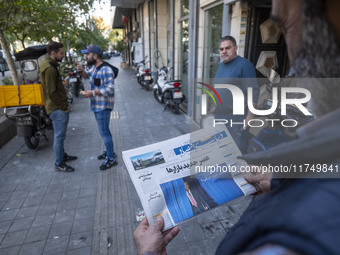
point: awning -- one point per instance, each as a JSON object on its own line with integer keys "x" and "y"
{"x": 131, "y": 4}
{"x": 120, "y": 15}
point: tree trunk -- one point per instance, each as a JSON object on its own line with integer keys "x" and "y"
{"x": 9, "y": 58}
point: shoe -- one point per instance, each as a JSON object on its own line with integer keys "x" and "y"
{"x": 69, "y": 158}
{"x": 103, "y": 156}
{"x": 63, "y": 167}
{"x": 108, "y": 163}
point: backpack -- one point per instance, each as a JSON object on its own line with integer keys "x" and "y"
{"x": 114, "y": 69}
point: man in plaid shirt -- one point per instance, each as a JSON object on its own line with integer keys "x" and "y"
{"x": 102, "y": 99}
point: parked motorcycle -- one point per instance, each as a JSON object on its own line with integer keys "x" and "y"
{"x": 143, "y": 73}
{"x": 32, "y": 120}
{"x": 75, "y": 83}
{"x": 68, "y": 90}
{"x": 167, "y": 91}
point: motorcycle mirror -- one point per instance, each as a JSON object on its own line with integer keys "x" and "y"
{"x": 156, "y": 65}
{"x": 273, "y": 76}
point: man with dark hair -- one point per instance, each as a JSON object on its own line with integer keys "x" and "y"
{"x": 237, "y": 71}
{"x": 56, "y": 103}
{"x": 295, "y": 216}
{"x": 102, "y": 99}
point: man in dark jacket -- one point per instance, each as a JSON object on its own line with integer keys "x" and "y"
{"x": 297, "y": 215}
{"x": 56, "y": 103}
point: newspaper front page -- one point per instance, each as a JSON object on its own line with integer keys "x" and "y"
{"x": 182, "y": 177}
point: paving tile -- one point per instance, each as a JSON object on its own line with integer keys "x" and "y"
{"x": 225, "y": 212}
{"x": 80, "y": 240}
{"x": 14, "y": 238}
{"x": 228, "y": 224}
{"x": 60, "y": 229}
{"x": 42, "y": 221}
{"x": 84, "y": 212}
{"x": 26, "y": 212}
{"x": 192, "y": 231}
{"x": 207, "y": 217}
{"x": 10, "y": 250}
{"x": 4, "y": 226}
{"x": 178, "y": 250}
{"x": 88, "y": 192}
{"x": 38, "y": 191}
{"x": 24, "y": 186}
{"x": 32, "y": 201}
{"x": 56, "y": 245}
{"x": 7, "y": 188}
{"x": 72, "y": 186}
{"x": 64, "y": 216}
{"x": 51, "y": 198}
{"x": 33, "y": 248}
{"x": 201, "y": 248}
{"x": 81, "y": 251}
{"x": 6, "y": 215}
{"x": 67, "y": 205}
{"x": 37, "y": 234}
{"x": 216, "y": 240}
{"x": 83, "y": 225}
{"x": 47, "y": 209}
{"x": 213, "y": 229}
{"x": 70, "y": 195}
{"x": 5, "y": 195}
{"x": 86, "y": 201}
{"x": 21, "y": 224}
{"x": 178, "y": 240}
{"x": 14, "y": 203}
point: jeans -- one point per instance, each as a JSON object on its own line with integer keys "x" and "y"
{"x": 59, "y": 120}
{"x": 103, "y": 121}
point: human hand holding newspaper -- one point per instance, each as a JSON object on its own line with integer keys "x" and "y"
{"x": 182, "y": 177}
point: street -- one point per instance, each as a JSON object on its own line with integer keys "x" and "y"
{"x": 91, "y": 211}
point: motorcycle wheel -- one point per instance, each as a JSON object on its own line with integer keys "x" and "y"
{"x": 70, "y": 100}
{"x": 76, "y": 89}
{"x": 139, "y": 79}
{"x": 31, "y": 141}
{"x": 146, "y": 86}
{"x": 155, "y": 94}
{"x": 175, "y": 108}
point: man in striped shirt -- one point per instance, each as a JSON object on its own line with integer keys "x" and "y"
{"x": 101, "y": 98}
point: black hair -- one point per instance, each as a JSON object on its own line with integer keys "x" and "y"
{"x": 228, "y": 38}
{"x": 53, "y": 46}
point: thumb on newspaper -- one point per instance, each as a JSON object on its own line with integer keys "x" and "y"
{"x": 159, "y": 223}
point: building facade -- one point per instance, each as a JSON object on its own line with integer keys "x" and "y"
{"x": 185, "y": 34}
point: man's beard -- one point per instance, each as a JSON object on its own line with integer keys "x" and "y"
{"x": 91, "y": 62}
{"x": 319, "y": 57}
{"x": 59, "y": 59}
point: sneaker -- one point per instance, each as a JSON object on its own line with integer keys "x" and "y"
{"x": 108, "y": 163}
{"x": 69, "y": 158}
{"x": 103, "y": 156}
{"x": 63, "y": 167}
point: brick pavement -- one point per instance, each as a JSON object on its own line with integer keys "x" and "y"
{"x": 89, "y": 211}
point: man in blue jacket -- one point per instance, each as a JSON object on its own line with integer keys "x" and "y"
{"x": 296, "y": 215}
{"x": 239, "y": 72}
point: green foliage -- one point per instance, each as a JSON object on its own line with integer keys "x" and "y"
{"x": 7, "y": 81}
{"x": 41, "y": 20}
{"x": 120, "y": 46}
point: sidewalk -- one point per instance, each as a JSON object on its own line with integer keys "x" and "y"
{"x": 91, "y": 211}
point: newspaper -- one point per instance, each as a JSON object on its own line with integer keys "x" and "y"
{"x": 182, "y": 177}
